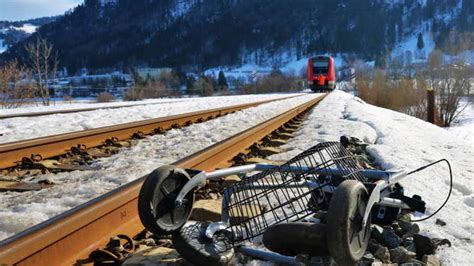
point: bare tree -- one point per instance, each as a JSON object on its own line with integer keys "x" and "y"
{"x": 15, "y": 88}
{"x": 43, "y": 64}
{"x": 400, "y": 93}
{"x": 418, "y": 97}
{"x": 204, "y": 86}
{"x": 450, "y": 86}
{"x": 435, "y": 59}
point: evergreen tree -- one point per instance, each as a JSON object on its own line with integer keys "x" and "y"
{"x": 380, "y": 61}
{"x": 91, "y": 3}
{"x": 190, "y": 89}
{"x": 420, "y": 44}
{"x": 222, "y": 81}
{"x": 430, "y": 9}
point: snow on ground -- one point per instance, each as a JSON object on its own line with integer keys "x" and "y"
{"x": 465, "y": 56}
{"x": 28, "y": 28}
{"x": 403, "y": 142}
{"x": 19, "y": 211}
{"x": 80, "y": 104}
{"x": 3, "y": 46}
{"x": 241, "y": 72}
{"x": 181, "y": 8}
{"x": 409, "y": 46}
{"x": 21, "y": 128}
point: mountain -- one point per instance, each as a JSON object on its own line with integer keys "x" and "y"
{"x": 200, "y": 34}
{"x": 12, "y": 32}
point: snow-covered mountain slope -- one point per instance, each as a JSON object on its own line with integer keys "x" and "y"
{"x": 204, "y": 34}
{"x": 12, "y": 32}
{"x": 398, "y": 141}
{"x": 3, "y": 46}
{"x": 10, "y": 35}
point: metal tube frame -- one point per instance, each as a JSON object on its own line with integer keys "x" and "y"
{"x": 385, "y": 180}
{"x": 379, "y": 196}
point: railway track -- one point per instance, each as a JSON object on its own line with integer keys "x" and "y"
{"x": 14, "y": 153}
{"x": 70, "y": 237}
{"x": 85, "y": 109}
{"x": 77, "y": 110}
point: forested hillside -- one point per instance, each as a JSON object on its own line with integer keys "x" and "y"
{"x": 12, "y": 32}
{"x": 205, "y": 33}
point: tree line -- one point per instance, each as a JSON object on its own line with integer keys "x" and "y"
{"x": 177, "y": 83}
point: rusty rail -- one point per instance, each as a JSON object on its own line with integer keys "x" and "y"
{"x": 51, "y": 146}
{"x": 70, "y": 237}
{"x": 77, "y": 110}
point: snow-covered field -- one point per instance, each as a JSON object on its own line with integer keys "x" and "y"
{"x": 408, "y": 48}
{"x": 403, "y": 142}
{"x": 21, "y": 128}
{"x": 19, "y": 211}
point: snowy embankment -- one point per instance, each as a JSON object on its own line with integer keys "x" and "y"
{"x": 18, "y": 211}
{"x": 399, "y": 141}
{"x": 21, "y": 128}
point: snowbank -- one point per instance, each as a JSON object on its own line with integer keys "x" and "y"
{"x": 403, "y": 142}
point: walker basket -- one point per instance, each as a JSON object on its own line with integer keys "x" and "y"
{"x": 289, "y": 192}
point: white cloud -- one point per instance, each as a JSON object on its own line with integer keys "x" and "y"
{"x": 27, "y": 9}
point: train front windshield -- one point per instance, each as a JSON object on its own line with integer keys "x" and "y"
{"x": 320, "y": 66}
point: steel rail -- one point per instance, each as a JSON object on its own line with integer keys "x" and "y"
{"x": 78, "y": 110}
{"x": 70, "y": 237}
{"x": 51, "y": 146}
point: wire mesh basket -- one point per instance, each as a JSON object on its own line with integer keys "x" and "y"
{"x": 289, "y": 192}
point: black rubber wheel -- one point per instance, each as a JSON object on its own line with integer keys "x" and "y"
{"x": 347, "y": 239}
{"x": 192, "y": 244}
{"x": 156, "y": 201}
{"x": 291, "y": 239}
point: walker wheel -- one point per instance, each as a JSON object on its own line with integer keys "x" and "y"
{"x": 156, "y": 201}
{"x": 347, "y": 238}
{"x": 196, "y": 248}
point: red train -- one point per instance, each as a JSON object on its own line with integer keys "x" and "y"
{"x": 321, "y": 73}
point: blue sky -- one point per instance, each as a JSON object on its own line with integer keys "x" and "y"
{"x": 26, "y": 9}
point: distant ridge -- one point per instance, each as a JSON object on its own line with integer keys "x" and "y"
{"x": 200, "y": 34}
